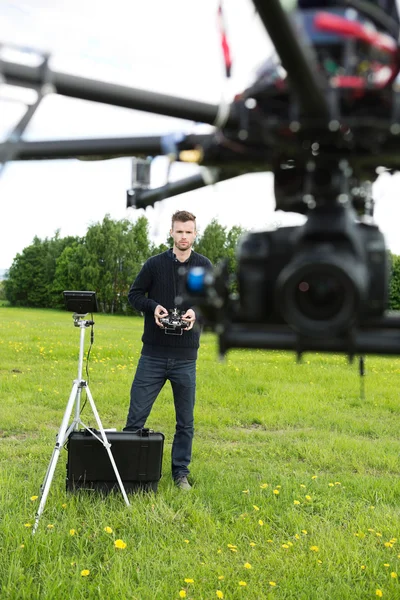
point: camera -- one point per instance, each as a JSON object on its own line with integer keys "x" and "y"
{"x": 174, "y": 324}
{"x": 321, "y": 278}
{"x": 321, "y": 286}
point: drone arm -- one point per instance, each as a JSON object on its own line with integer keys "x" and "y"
{"x": 101, "y": 148}
{"x": 110, "y": 93}
{"x": 139, "y": 198}
{"x": 299, "y": 61}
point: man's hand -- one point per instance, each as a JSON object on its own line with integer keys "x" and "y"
{"x": 190, "y": 318}
{"x": 159, "y": 313}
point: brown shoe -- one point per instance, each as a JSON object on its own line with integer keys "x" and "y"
{"x": 182, "y": 483}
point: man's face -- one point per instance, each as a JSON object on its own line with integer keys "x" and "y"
{"x": 183, "y": 234}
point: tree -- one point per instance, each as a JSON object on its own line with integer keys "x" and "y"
{"x": 31, "y": 276}
{"x": 213, "y": 242}
{"x": 27, "y": 282}
{"x": 394, "y": 287}
{"x": 68, "y": 273}
{"x": 3, "y": 290}
{"x": 115, "y": 252}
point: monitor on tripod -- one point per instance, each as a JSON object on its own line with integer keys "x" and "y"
{"x": 81, "y": 302}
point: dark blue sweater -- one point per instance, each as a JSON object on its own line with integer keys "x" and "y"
{"x": 159, "y": 282}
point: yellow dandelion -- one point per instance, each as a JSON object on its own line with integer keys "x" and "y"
{"x": 22, "y": 546}
{"x": 314, "y": 477}
{"x": 393, "y": 575}
{"x": 246, "y": 491}
{"x": 120, "y": 544}
{"x": 296, "y": 535}
{"x": 186, "y": 541}
{"x": 231, "y": 546}
{"x": 331, "y": 484}
{"x": 50, "y": 526}
{"x": 252, "y": 544}
{"x": 308, "y": 497}
{"x": 219, "y": 594}
{"x": 63, "y": 505}
{"x": 272, "y": 583}
{"x": 188, "y": 580}
{"x": 388, "y": 545}
{"x": 263, "y": 486}
{"x": 242, "y": 583}
{"x": 221, "y": 577}
{"x": 337, "y": 483}
{"x": 319, "y": 562}
{"x": 278, "y": 486}
{"x": 72, "y": 531}
{"x": 261, "y": 522}
{"x": 182, "y": 594}
{"x": 285, "y": 546}
{"x": 256, "y": 507}
{"x": 33, "y": 498}
{"x": 233, "y": 549}
{"x": 379, "y": 593}
{"x": 387, "y": 565}
{"x": 276, "y": 492}
{"x": 219, "y": 551}
{"x": 378, "y": 534}
{"x": 314, "y": 548}
{"x": 302, "y": 485}
{"x": 28, "y": 525}
{"x": 247, "y": 566}
{"x": 85, "y": 572}
{"x": 363, "y": 567}
{"x": 304, "y": 531}
{"x": 108, "y": 529}
{"x": 296, "y": 502}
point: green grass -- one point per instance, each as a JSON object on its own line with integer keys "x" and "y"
{"x": 293, "y": 474}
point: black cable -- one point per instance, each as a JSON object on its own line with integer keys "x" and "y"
{"x": 361, "y": 367}
{"x": 87, "y": 358}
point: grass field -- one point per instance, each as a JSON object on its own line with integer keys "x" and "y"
{"x": 296, "y": 478}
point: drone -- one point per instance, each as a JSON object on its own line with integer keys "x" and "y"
{"x": 323, "y": 115}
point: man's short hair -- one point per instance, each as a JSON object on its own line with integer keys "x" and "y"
{"x": 183, "y": 216}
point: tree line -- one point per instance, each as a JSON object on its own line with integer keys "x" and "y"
{"x": 107, "y": 260}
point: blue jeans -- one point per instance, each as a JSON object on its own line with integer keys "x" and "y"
{"x": 151, "y": 375}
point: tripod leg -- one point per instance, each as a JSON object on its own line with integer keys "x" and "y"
{"x": 60, "y": 441}
{"x": 107, "y": 445}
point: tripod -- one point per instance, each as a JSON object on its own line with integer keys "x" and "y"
{"x": 64, "y": 431}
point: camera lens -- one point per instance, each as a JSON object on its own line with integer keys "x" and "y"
{"x": 320, "y": 296}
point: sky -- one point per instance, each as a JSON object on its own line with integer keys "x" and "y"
{"x": 169, "y": 47}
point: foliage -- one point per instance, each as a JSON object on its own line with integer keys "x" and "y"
{"x": 107, "y": 260}
{"x": 2, "y": 290}
{"x": 31, "y": 275}
{"x": 295, "y": 494}
{"x": 219, "y": 244}
{"x": 394, "y": 290}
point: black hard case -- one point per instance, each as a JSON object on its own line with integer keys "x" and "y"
{"x": 137, "y": 454}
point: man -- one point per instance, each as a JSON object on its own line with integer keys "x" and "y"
{"x": 165, "y": 356}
